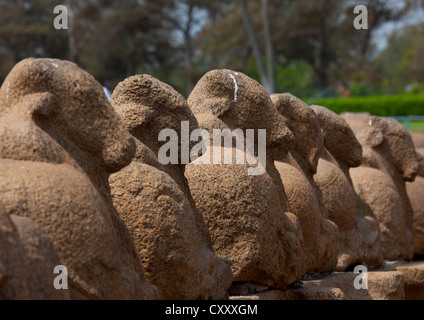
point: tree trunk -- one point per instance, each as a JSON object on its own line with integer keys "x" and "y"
{"x": 189, "y": 55}
{"x": 189, "y": 49}
{"x": 324, "y": 50}
{"x": 73, "y": 50}
{"x": 269, "y": 47}
{"x": 255, "y": 44}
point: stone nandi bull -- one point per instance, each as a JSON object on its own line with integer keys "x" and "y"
{"x": 418, "y": 139}
{"x": 389, "y": 160}
{"x": 155, "y": 201}
{"x": 246, "y": 213}
{"x": 59, "y": 141}
{"x": 320, "y": 235}
{"x": 359, "y": 231}
{"x": 415, "y": 192}
{"x": 27, "y": 261}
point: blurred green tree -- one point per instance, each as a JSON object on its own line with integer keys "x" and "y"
{"x": 303, "y": 45}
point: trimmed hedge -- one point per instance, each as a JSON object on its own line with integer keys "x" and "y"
{"x": 397, "y": 105}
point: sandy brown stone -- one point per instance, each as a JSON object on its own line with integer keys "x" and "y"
{"x": 339, "y": 138}
{"x": 27, "y": 261}
{"x": 311, "y": 293}
{"x": 413, "y": 272}
{"x": 396, "y": 280}
{"x": 60, "y": 140}
{"x": 381, "y": 194}
{"x": 382, "y": 285}
{"x": 389, "y": 159}
{"x": 235, "y": 98}
{"x": 359, "y": 232}
{"x": 320, "y": 235}
{"x": 386, "y": 285}
{"x": 356, "y": 120}
{"x": 154, "y": 199}
{"x": 420, "y": 153}
{"x": 246, "y": 214}
{"x": 241, "y": 289}
{"x": 259, "y": 287}
{"x": 415, "y": 192}
{"x": 418, "y": 139}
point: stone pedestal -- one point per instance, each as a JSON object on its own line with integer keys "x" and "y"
{"x": 413, "y": 273}
{"x": 395, "y": 280}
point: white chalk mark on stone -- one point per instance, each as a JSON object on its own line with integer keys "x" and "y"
{"x": 7, "y": 91}
{"x": 235, "y": 86}
{"x": 370, "y": 123}
{"x": 53, "y": 64}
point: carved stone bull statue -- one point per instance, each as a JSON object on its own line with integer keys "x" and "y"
{"x": 320, "y": 235}
{"x": 244, "y": 202}
{"x": 155, "y": 201}
{"x": 389, "y": 160}
{"x": 359, "y": 230}
{"x": 60, "y": 140}
{"x": 27, "y": 261}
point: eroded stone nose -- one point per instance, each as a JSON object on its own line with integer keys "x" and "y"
{"x": 119, "y": 152}
{"x": 411, "y": 172}
{"x": 281, "y": 135}
{"x": 285, "y": 138}
{"x": 281, "y": 143}
{"x": 356, "y": 155}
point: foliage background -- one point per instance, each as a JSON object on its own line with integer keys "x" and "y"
{"x": 315, "y": 48}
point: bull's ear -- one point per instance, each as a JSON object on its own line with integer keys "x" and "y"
{"x": 372, "y": 135}
{"x": 134, "y": 115}
{"x": 38, "y": 104}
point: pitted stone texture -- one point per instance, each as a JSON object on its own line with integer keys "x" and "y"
{"x": 389, "y": 160}
{"x": 154, "y": 199}
{"x": 60, "y": 139}
{"x": 27, "y": 261}
{"x": 320, "y": 235}
{"x": 311, "y": 293}
{"x": 418, "y": 139}
{"x": 413, "y": 273}
{"x": 415, "y": 192}
{"x": 420, "y": 153}
{"x": 246, "y": 214}
{"x": 382, "y": 285}
{"x": 356, "y": 120}
{"x": 359, "y": 231}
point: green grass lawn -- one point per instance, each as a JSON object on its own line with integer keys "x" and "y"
{"x": 417, "y": 126}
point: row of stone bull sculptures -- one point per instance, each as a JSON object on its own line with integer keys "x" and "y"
{"x": 81, "y": 186}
